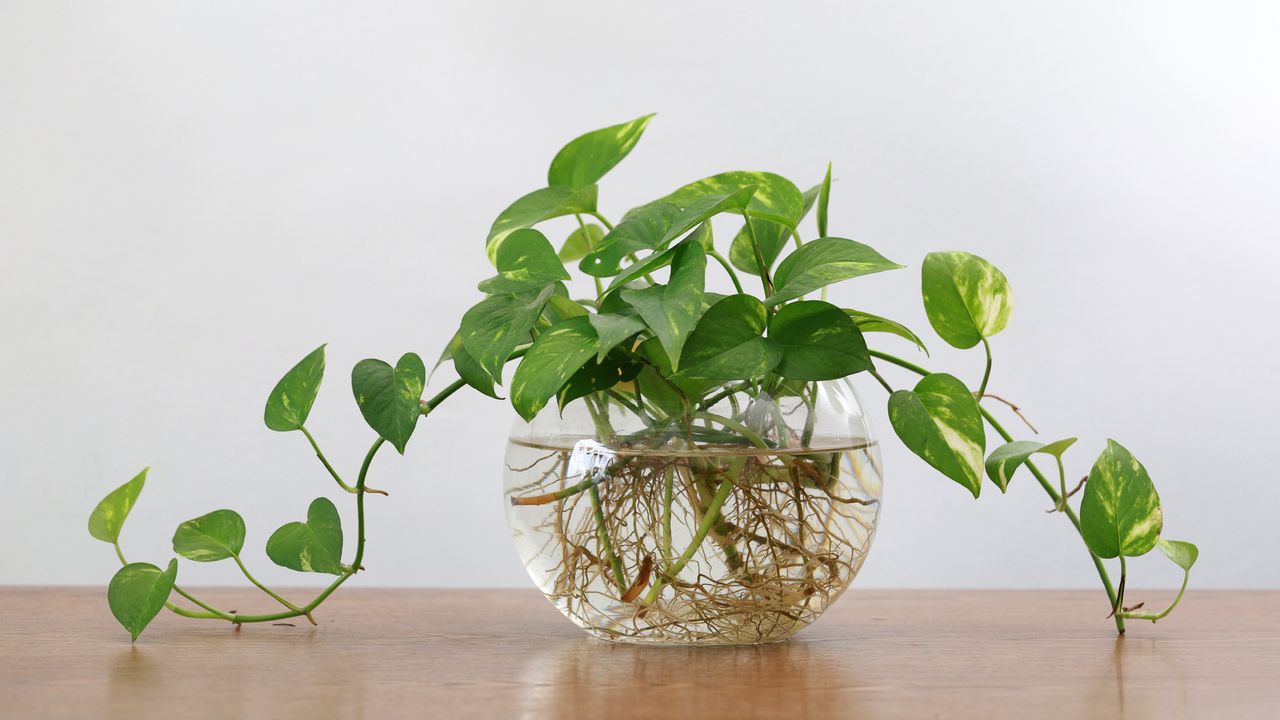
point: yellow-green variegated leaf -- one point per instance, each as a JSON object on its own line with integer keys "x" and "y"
{"x": 543, "y": 204}
{"x": 672, "y": 310}
{"x": 965, "y": 297}
{"x": 291, "y": 399}
{"x": 390, "y": 397}
{"x": 553, "y": 358}
{"x": 1120, "y": 513}
{"x": 640, "y": 229}
{"x": 1183, "y": 554}
{"x": 581, "y": 241}
{"x": 525, "y": 261}
{"x": 869, "y": 323}
{"x": 107, "y": 518}
{"x": 587, "y": 158}
{"x": 822, "y": 262}
{"x": 1005, "y": 460}
{"x": 211, "y": 537}
{"x": 311, "y": 546}
{"x": 727, "y": 343}
{"x": 941, "y": 423}
{"x": 493, "y": 327}
{"x": 772, "y": 238}
{"x": 137, "y": 593}
{"x": 775, "y": 198}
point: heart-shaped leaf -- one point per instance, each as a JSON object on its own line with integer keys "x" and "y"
{"x": 468, "y": 368}
{"x": 597, "y": 376}
{"x": 108, "y": 517}
{"x": 390, "y": 398}
{"x": 640, "y": 229}
{"x": 941, "y": 423}
{"x": 539, "y": 205}
{"x": 612, "y": 329}
{"x": 580, "y": 242}
{"x": 138, "y": 592}
{"x": 553, "y": 358}
{"x": 703, "y": 209}
{"x": 1120, "y": 512}
{"x": 965, "y": 297}
{"x": 822, "y": 262}
{"x": 772, "y": 236}
{"x": 291, "y": 399}
{"x": 869, "y": 323}
{"x": 1005, "y": 460}
{"x": 1183, "y": 554}
{"x": 773, "y": 197}
{"x": 525, "y": 261}
{"x": 672, "y": 310}
{"x": 215, "y": 536}
{"x": 818, "y": 342}
{"x": 311, "y": 546}
{"x": 587, "y": 158}
{"x": 493, "y": 328}
{"x": 726, "y": 344}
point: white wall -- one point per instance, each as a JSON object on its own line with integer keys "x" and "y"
{"x": 193, "y": 195}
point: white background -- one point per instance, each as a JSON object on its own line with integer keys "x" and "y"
{"x": 195, "y": 194}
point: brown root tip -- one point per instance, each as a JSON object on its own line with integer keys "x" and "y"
{"x": 642, "y": 579}
{"x": 376, "y": 491}
{"x": 313, "y": 620}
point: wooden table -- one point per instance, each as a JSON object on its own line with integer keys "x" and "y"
{"x": 509, "y": 654}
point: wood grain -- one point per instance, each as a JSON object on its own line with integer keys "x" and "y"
{"x": 508, "y": 653}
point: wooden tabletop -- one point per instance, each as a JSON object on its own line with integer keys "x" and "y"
{"x": 509, "y": 654}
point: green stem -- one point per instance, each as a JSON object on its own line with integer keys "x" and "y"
{"x": 761, "y": 266}
{"x": 325, "y": 461}
{"x": 986, "y": 374}
{"x": 1035, "y": 471}
{"x": 364, "y": 471}
{"x": 260, "y": 586}
{"x": 704, "y": 527}
{"x": 586, "y": 238}
{"x": 608, "y": 225}
{"x": 606, "y": 544}
{"x": 733, "y": 276}
{"x": 752, "y": 436}
{"x": 1156, "y": 616}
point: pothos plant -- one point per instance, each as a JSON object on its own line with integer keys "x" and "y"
{"x": 653, "y": 339}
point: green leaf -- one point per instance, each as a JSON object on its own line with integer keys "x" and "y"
{"x": 726, "y": 344}
{"x": 587, "y": 158}
{"x": 390, "y": 398}
{"x": 581, "y": 241}
{"x": 215, "y": 536}
{"x": 562, "y": 308}
{"x": 594, "y": 377}
{"x": 468, "y": 368}
{"x": 940, "y": 422}
{"x": 138, "y": 592}
{"x": 659, "y": 393}
{"x": 552, "y": 359}
{"x": 1120, "y": 512}
{"x": 869, "y": 323}
{"x": 311, "y": 546}
{"x": 823, "y": 262}
{"x": 704, "y": 208}
{"x": 493, "y": 327}
{"x": 525, "y": 261}
{"x": 774, "y": 197}
{"x": 965, "y": 297}
{"x": 640, "y": 229}
{"x": 824, "y": 199}
{"x": 539, "y": 205}
{"x": 818, "y": 342}
{"x": 771, "y": 236}
{"x": 1183, "y": 554}
{"x": 290, "y": 401}
{"x": 108, "y": 517}
{"x": 612, "y": 329}
{"x": 1005, "y": 460}
{"x": 672, "y": 310}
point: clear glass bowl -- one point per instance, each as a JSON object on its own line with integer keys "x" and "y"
{"x": 736, "y": 524}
